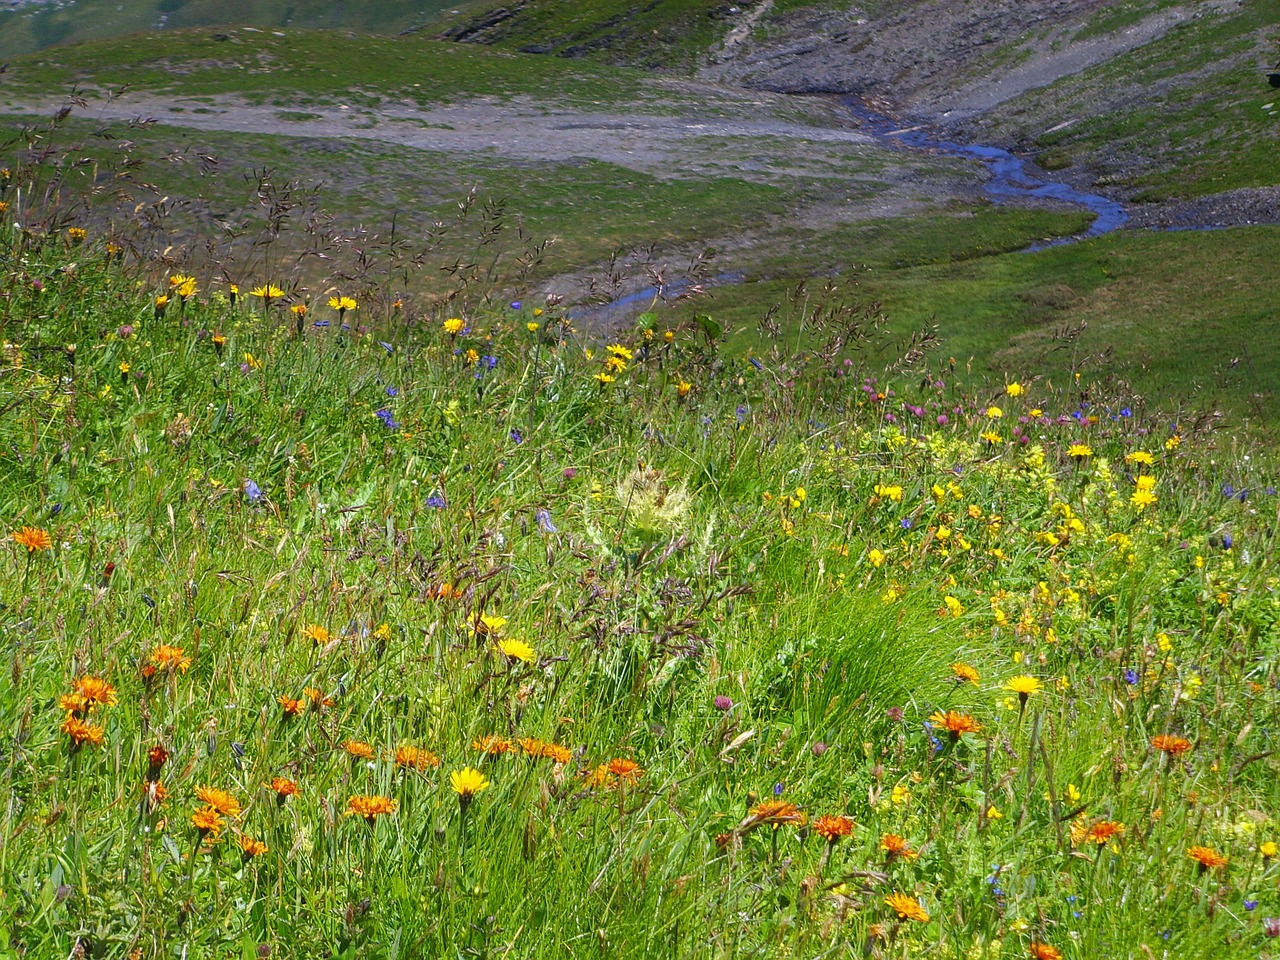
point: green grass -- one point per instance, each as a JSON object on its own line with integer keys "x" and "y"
{"x": 316, "y": 63}
{"x": 37, "y": 26}
{"x": 773, "y": 540}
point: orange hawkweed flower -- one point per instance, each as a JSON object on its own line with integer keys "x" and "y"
{"x": 318, "y": 700}
{"x": 207, "y": 821}
{"x": 74, "y": 704}
{"x": 157, "y": 757}
{"x": 82, "y": 733}
{"x": 625, "y": 769}
{"x": 165, "y": 657}
{"x": 1207, "y": 857}
{"x": 359, "y": 749}
{"x": 492, "y": 745}
{"x": 250, "y": 848}
{"x": 896, "y": 847}
{"x": 1170, "y": 744}
{"x": 291, "y": 707}
{"x": 284, "y": 788}
{"x": 832, "y": 827}
{"x": 963, "y": 673}
{"x": 1043, "y": 951}
{"x": 154, "y": 793}
{"x": 534, "y": 747}
{"x": 599, "y": 777}
{"x": 955, "y": 723}
{"x": 95, "y": 691}
{"x": 557, "y": 753}
{"x": 414, "y": 758}
{"x": 33, "y": 538}
{"x": 219, "y": 800}
{"x": 776, "y": 813}
{"x": 907, "y": 908}
{"x": 1099, "y": 833}
{"x": 369, "y": 806}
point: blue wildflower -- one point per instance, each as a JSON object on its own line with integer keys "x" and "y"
{"x": 777, "y": 789}
{"x": 545, "y": 523}
{"x": 1251, "y": 904}
{"x": 387, "y": 419}
{"x": 517, "y": 436}
{"x": 393, "y": 391}
{"x": 906, "y": 523}
{"x": 252, "y": 490}
{"x": 436, "y": 501}
{"x": 755, "y": 363}
{"x": 1131, "y": 676}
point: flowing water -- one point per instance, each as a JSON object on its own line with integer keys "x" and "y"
{"x": 1012, "y": 178}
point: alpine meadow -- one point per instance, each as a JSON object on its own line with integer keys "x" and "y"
{"x": 784, "y": 479}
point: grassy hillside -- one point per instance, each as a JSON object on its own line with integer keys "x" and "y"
{"x": 293, "y": 65}
{"x": 1186, "y": 115}
{"x": 664, "y": 33}
{"x": 34, "y": 26}
{"x": 1186, "y": 319}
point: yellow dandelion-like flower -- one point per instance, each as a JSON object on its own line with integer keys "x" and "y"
{"x": 343, "y": 304}
{"x": 487, "y": 626}
{"x": 317, "y": 634}
{"x": 1079, "y": 451}
{"x": 267, "y": 291}
{"x": 516, "y": 651}
{"x": 467, "y": 782}
{"x": 1015, "y": 389}
{"x": 453, "y": 326}
{"x": 1023, "y": 686}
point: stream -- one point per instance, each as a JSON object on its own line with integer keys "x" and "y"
{"x": 1012, "y": 178}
